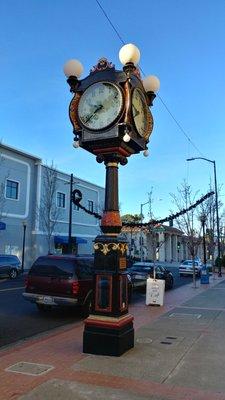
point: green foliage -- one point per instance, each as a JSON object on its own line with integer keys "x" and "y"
{"x": 131, "y": 218}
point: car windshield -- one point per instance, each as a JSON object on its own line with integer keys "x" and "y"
{"x": 53, "y": 267}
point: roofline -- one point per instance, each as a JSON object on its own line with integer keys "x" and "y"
{"x": 20, "y": 152}
{"x": 39, "y": 160}
{"x": 74, "y": 176}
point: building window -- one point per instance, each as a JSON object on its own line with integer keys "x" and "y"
{"x": 10, "y": 249}
{"x": 12, "y": 189}
{"x": 141, "y": 240}
{"x": 61, "y": 199}
{"x": 90, "y": 205}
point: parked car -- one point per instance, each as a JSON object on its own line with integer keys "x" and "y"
{"x": 62, "y": 280}
{"x": 10, "y": 266}
{"x": 140, "y": 271}
{"x": 186, "y": 267}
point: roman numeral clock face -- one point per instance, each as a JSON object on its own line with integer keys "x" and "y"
{"x": 100, "y": 106}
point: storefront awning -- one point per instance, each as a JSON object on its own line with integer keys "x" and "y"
{"x": 64, "y": 240}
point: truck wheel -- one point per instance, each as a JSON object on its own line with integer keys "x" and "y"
{"x": 13, "y": 273}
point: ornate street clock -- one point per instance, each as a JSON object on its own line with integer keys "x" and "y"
{"x": 111, "y": 119}
{"x": 108, "y": 108}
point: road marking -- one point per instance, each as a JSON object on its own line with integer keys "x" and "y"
{"x": 16, "y": 288}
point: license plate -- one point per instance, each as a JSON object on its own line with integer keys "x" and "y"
{"x": 46, "y": 300}
{"x": 139, "y": 277}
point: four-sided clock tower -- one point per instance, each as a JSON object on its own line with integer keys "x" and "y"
{"x": 111, "y": 119}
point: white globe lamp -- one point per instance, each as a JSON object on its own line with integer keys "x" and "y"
{"x": 151, "y": 83}
{"x": 73, "y": 68}
{"x": 129, "y": 53}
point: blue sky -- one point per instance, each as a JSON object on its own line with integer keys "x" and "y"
{"x": 181, "y": 42}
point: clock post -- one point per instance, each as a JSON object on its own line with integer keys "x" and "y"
{"x": 111, "y": 119}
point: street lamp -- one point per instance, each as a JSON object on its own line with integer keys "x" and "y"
{"x": 69, "y": 249}
{"x": 203, "y": 219}
{"x": 111, "y": 119}
{"x": 141, "y": 244}
{"x": 71, "y": 183}
{"x": 217, "y": 208}
{"x": 23, "y": 248}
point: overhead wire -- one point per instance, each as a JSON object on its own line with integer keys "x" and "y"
{"x": 110, "y": 22}
{"x": 160, "y": 98}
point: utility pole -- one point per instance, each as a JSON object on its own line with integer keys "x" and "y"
{"x": 141, "y": 238}
{"x": 217, "y": 221}
{"x": 217, "y": 209}
{"x": 203, "y": 221}
{"x": 69, "y": 250}
{"x": 23, "y": 248}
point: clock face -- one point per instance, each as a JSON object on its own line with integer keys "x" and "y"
{"x": 100, "y": 105}
{"x": 140, "y": 112}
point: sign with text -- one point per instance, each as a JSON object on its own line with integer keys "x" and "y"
{"x": 155, "y": 289}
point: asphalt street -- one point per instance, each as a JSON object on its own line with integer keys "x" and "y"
{"x": 20, "y": 319}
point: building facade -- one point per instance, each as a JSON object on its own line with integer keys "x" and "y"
{"x": 23, "y": 187}
{"x": 165, "y": 244}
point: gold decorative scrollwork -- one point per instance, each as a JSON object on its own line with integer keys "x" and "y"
{"x": 150, "y": 124}
{"x": 123, "y": 247}
{"x": 73, "y": 111}
{"x": 105, "y": 248}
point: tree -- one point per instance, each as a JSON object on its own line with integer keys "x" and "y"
{"x": 188, "y": 222}
{"x": 131, "y": 218}
{"x": 209, "y": 209}
{"x": 48, "y": 211}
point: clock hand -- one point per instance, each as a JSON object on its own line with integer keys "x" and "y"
{"x": 94, "y": 112}
{"x": 136, "y": 112}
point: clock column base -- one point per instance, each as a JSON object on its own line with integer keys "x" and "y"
{"x": 108, "y": 336}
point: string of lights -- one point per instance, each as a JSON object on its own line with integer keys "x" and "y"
{"x": 153, "y": 221}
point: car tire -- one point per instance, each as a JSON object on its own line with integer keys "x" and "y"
{"x": 43, "y": 307}
{"x": 13, "y": 273}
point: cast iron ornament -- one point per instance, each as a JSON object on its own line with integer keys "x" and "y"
{"x": 76, "y": 196}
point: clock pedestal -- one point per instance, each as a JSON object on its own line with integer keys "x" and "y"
{"x": 111, "y": 119}
{"x": 109, "y": 328}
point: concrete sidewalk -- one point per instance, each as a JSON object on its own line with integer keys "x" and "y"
{"x": 179, "y": 354}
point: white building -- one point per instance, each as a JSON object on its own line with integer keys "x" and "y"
{"x": 167, "y": 244}
{"x": 22, "y": 188}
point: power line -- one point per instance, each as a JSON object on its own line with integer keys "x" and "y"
{"x": 110, "y": 22}
{"x": 179, "y": 125}
{"x": 160, "y": 98}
